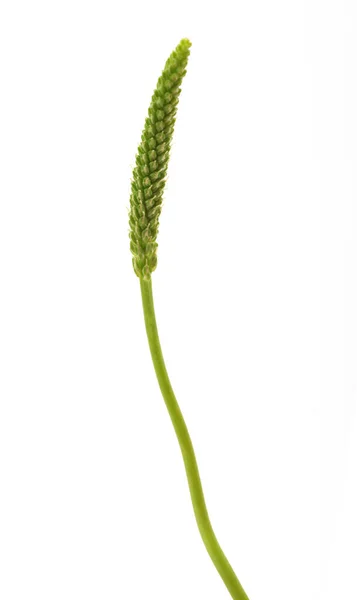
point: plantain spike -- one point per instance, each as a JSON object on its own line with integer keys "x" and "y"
{"x": 149, "y": 174}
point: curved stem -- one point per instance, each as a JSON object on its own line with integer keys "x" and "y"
{"x": 198, "y": 502}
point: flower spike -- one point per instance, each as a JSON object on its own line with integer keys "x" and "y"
{"x": 151, "y": 162}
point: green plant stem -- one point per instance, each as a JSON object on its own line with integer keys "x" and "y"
{"x": 198, "y": 502}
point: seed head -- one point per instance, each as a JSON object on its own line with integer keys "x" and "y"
{"x": 151, "y": 162}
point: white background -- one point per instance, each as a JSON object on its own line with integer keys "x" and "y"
{"x": 255, "y": 294}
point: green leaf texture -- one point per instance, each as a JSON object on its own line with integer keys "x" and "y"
{"x": 151, "y": 163}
